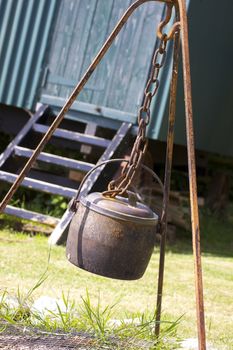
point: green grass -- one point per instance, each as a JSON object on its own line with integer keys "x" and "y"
{"x": 24, "y": 259}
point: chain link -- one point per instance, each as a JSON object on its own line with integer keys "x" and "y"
{"x": 121, "y": 184}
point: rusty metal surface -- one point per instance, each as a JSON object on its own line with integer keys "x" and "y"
{"x": 181, "y": 17}
{"x": 109, "y": 247}
{"x": 192, "y": 177}
{"x": 167, "y": 179}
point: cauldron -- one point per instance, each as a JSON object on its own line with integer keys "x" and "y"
{"x": 112, "y": 237}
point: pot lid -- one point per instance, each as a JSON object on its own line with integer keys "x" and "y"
{"x": 128, "y": 209}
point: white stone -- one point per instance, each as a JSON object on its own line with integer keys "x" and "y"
{"x": 192, "y": 344}
{"x": 45, "y": 305}
{"x": 11, "y": 302}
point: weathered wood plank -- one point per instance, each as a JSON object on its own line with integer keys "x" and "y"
{"x": 98, "y": 34}
{"x": 10, "y": 148}
{"x": 74, "y": 136}
{"x": 54, "y": 159}
{"x": 111, "y": 57}
{"x": 38, "y": 185}
{"x": 69, "y": 42}
{"x": 59, "y": 179}
{"x": 89, "y": 130}
{"x": 31, "y": 215}
{"x": 79, "y": 37}
{"x": 120, "y": 78}
{"x": 59, "y": 235}
{"x": 125, "y": 62}
{"x": 141, "y": 65}
{"x": 61, "y": 40}
{"x": 108, "y": 154}
{"x": 92, "y": 110}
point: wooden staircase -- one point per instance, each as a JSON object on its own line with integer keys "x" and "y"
{"x": 54, "y": 184}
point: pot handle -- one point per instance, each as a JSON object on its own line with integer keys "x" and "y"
{"x": 75, "y": 200}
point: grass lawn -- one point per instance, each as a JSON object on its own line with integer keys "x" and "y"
{"x": 24, "y": 259}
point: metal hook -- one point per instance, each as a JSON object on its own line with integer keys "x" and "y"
{"x": 173, "y": 30}
{"x": 75, "y": 200}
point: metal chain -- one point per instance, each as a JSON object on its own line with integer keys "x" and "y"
{"x": 121, "y": 184}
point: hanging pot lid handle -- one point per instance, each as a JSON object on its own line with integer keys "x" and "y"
{"x": 74, "y": 202}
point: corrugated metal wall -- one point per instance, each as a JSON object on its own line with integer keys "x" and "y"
{"x": 24, "y": 32}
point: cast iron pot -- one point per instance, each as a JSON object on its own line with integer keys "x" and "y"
{"x": 112, "y": 237}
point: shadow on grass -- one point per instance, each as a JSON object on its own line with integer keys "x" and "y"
{"x": 216, "y": 237}
{"x": 216, "y": 234}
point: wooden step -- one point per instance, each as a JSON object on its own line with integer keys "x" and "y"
{"x": 60, "y": 232}
{"x": 30, "y": 215}
{"x": 74, "y": 136}
{"x": 8, "y": 151}
{"x": 54, "y": 159}
{"x": 39, "y": 185}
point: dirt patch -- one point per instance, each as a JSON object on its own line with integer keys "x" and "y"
{"x": 31, "y": 339}
{"x": 16, "y": 342}
{"x": 39, "y": 341}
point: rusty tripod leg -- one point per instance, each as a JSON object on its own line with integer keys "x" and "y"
{"x": 192, "y": 178}
{"x": 193, "y": 189}
{"x": 168, "y": 166}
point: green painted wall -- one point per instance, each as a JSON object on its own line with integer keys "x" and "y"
{"x": 80, "y": 31}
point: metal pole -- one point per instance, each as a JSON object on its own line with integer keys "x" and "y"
{"x": 192, "y": 177}
{"x": 72, "y": 98}
{"x": 167, "y": 179}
